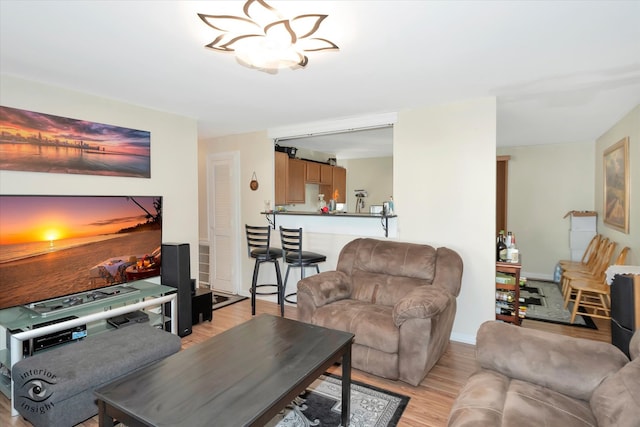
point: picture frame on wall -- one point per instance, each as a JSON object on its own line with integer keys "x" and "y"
{"x": 616, "y": 185}
{"x": 36, "y": 142}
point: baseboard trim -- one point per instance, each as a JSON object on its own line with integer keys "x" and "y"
{"x": 539, "y": 276}
{"x": 463, "y": 338}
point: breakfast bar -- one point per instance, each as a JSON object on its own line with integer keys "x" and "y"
{"x": 357, "y": 224}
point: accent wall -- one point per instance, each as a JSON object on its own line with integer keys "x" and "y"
{"x": 629, "y": 126}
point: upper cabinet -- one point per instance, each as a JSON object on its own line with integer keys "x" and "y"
{"x": 291, "y": 175}
{"x": 338, "y": 182}
{"x": 313, "y": 173}
{"x": 295, "y": 181}
{"x": 319, "y": 173}
{"x": 281, "y": 162}
{"x": 326, "y": 174}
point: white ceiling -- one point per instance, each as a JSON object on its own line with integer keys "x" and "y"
{"x": 562, "y": 71}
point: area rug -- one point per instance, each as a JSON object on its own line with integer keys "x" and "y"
{"x": 321, "y": 405}
{"x": 222, "y": 300}
{"x": 544, "y": 302}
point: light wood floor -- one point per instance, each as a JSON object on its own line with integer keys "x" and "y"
{"x": 430, "y": 402}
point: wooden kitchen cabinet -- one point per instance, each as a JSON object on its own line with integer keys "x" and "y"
{"x": 326, "y": 174}
{"x": 289, "y": 179}
{"x": 339, "y": 182}
{"x": 281, "y": 162}
{"x": 291, "y": 175}
{"x": 319, "y": 173}
{"x": 312, "y": 175}
{"x": 295, "y": 181}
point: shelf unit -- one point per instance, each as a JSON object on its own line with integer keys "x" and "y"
{"x": 94, "y": 315}
{"x": 203, "y": 264}
{"x": 506, "y": 271}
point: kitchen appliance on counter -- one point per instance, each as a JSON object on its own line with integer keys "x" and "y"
{"x": 360, "y": 195}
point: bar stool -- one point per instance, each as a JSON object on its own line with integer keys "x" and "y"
{"x": 294, "y": 256}
{"x": 258, "y": 239}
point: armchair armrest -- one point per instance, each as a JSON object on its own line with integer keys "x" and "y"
{"x": 572, "y": 366}
{"x": 423, "y": 302}
{"x": 448, "y": 273}
{"x": 326, "y": 287}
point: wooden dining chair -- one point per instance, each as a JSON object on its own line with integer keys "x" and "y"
{"x": 588, "y": 257}
{"x": 593, "y": 260}
{"x": 597, "y": 272}
{"x": 594, "y": 297}
{"x": 590, "y": 268}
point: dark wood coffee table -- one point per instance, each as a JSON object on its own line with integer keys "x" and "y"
{"x": 241, "y": 377}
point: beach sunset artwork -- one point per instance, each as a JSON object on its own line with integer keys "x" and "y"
{"x": 61, "y": 245}
{"x": 38, "y": 142}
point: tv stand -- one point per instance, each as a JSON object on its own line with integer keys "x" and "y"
{"x": 57, "y": 305}
{"x": 20, "y": 323}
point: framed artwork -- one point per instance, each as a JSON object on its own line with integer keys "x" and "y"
{"x": 38, "y": 142}
{"x": 616, "y": 185}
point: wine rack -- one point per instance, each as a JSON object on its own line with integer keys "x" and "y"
{"x": 508, "y": 292}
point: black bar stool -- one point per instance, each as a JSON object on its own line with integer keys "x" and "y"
{"x": 258, "y": 239}
{"x": 294, "y": 256}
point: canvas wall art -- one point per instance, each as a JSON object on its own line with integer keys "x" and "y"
{"x": 38, "y": 142}
{"x": 616, "y": 185}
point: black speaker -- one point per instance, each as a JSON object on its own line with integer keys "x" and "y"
{"x": 176, "y": 272}
{"x": 622, "y": 311}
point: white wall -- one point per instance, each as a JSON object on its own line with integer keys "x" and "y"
{"x": 374, "y": 175}
{"x": 173, "y": 156}
{"x": 545, "y": 182}
{"x": 627, "y": 126}
{"x": 444, "y": 193}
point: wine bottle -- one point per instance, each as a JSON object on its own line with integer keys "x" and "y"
{"x": 514, "y": 254}
{"x": 500, "y": 246}
{"x": 504, "y": 296}
{"x": 504, "y": 311}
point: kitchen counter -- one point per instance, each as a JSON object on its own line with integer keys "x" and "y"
{"x": 336, "y": 222}
{"x": 330, "y": 214}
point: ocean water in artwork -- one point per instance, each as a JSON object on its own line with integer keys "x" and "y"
{"x": 39, "y": 142}
{"x": 60, "y": 159}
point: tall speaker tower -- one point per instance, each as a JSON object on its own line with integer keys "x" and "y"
{"x": 176, "y": 272}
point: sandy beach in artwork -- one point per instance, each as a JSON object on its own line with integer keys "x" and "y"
{"x": 67, "y": 271}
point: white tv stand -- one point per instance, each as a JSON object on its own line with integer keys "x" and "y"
{"x": 21, "y": 322}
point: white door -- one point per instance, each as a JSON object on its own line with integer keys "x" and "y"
{"x": 223, "y": 201}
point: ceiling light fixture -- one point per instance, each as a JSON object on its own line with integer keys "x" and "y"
{"x": 264, "y": 39}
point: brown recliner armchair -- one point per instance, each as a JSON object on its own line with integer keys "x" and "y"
{"x": 398, "y": 299}
{"x": 530, "y": 378}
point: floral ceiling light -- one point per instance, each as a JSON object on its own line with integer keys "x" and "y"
{"x": 265, "y": 40}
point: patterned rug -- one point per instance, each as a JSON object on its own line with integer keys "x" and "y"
{"x": 222, "y": 300}
{"x": 544, "y": 302}
{"x": 321, "y": 405}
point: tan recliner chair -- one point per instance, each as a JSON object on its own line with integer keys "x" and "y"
{"x": 530, "y": 378}
{"x": 399, "y": 299}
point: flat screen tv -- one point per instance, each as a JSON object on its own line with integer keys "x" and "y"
{"x": 55, "y": 246}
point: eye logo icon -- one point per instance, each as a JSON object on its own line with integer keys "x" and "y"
{"x": 37, "y": 390}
